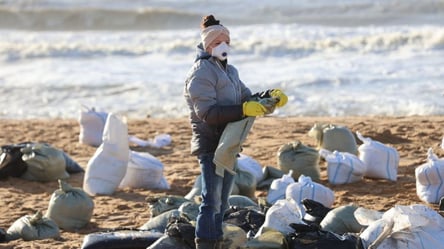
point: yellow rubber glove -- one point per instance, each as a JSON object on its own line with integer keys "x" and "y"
{"x": 279, "y": 94}
{"x": 253, "y": 108}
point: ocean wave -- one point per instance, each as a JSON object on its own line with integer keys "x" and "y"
{"x": 95, "y": 19}
{"x": 175, "y": 14}
{"x": 271, "y": 43}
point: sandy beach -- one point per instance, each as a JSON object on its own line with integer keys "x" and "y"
{"x": 411, "y": 136}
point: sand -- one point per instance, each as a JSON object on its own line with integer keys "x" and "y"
{"x": 411, "y": 136}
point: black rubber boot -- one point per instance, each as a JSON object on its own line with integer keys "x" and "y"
{"x": 205, "y": 244}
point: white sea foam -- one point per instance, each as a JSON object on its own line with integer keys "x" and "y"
{"x": 338, "y": 63}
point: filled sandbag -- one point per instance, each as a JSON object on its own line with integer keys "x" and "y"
{"x": 278, "y": 187}
{"x": 301, "y": 159}
{"x": 45, "y": 163}
{"x": 245, "y": 183}
{"x": 242, "y": 201}
{"x": 168, "y": 242}
{"x": 144, "y": 171}
{"x": 305, "y": 188}
{"x": 120, "y": 239}
{"x": 268, "y": 239}
{"x": 343, "y": 167}
{"x": 106, "y": 169}
{"x": 270, "y": 174}
{"x": 92, "y": 124}
{"x": 341, "y": 220}
{"x": 33, "y": 227}
{"x": 71, "y": 208}
{"x": 234, "y": 236}
{"x": 159, "y": 222}
{"x": 160, "y": 204}
{"x": 280, "y": 215}
{"x": 72, "y": 166}
{"x": 381, "y": 160}
{"x": 430, "y": 178}
{"x": 334, "y": 137}
{"x": 401, "y": 227}
{"x": 189, "y": 209}
{"x": 247, "y": 163}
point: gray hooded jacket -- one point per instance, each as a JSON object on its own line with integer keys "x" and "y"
{"x": 214, "y": 95}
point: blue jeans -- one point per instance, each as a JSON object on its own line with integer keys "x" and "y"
{"x": 215, "y": 193}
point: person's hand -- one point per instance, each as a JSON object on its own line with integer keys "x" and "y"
{"x": 279, "y": 94}
{"x": 253, "y": 108}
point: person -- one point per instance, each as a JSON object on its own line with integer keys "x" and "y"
{"x": 215, "y": 97}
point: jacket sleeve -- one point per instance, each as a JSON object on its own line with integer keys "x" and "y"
{"x": 203, "y": 97}
{"x": 223, "y": 114}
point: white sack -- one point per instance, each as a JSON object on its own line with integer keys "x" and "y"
{"x": 305, "y": 188}
{"x": 343, "y": 167}
{"x": 144, "y": 171}
{"x": 92, "y": 124}
{"x": 381, "y": 160}
{"x": 281, "y": 214}
{"x": 430, "y": 179}
{"x": 407, "y": 227}
{"x": 107, "y": 167}
{"x": 278, "y": 187}
{"x": 247, "y": 163}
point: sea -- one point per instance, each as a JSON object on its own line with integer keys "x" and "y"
{"x": 131, "y": 57}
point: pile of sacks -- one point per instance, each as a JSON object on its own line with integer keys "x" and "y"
{"x": 283, "y": 225}
{"x": 114, "y": 165}
{"x": 298, "y": 211}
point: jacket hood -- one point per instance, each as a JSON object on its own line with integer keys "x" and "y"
{"x": 201, "y": 53}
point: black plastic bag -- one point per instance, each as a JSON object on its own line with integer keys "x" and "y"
{"x": 312, "y": 237}
{"x": 11, "y": 162}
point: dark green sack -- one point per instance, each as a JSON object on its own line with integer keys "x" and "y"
{"x": 302, "y": 159}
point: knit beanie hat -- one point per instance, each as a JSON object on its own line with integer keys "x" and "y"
{"x": 211, "y": 29}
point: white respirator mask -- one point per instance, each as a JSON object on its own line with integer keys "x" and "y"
{"x": 221, "y": 51}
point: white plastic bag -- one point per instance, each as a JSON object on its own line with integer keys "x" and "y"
{"x": 343, "y": 167}
{"x": 430, "y": 179}
{"x": 381, "y": 160}
{"x": 107, "y": 167}
{"x": 144, "y": 171}
{"x": 305, "y": 188}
